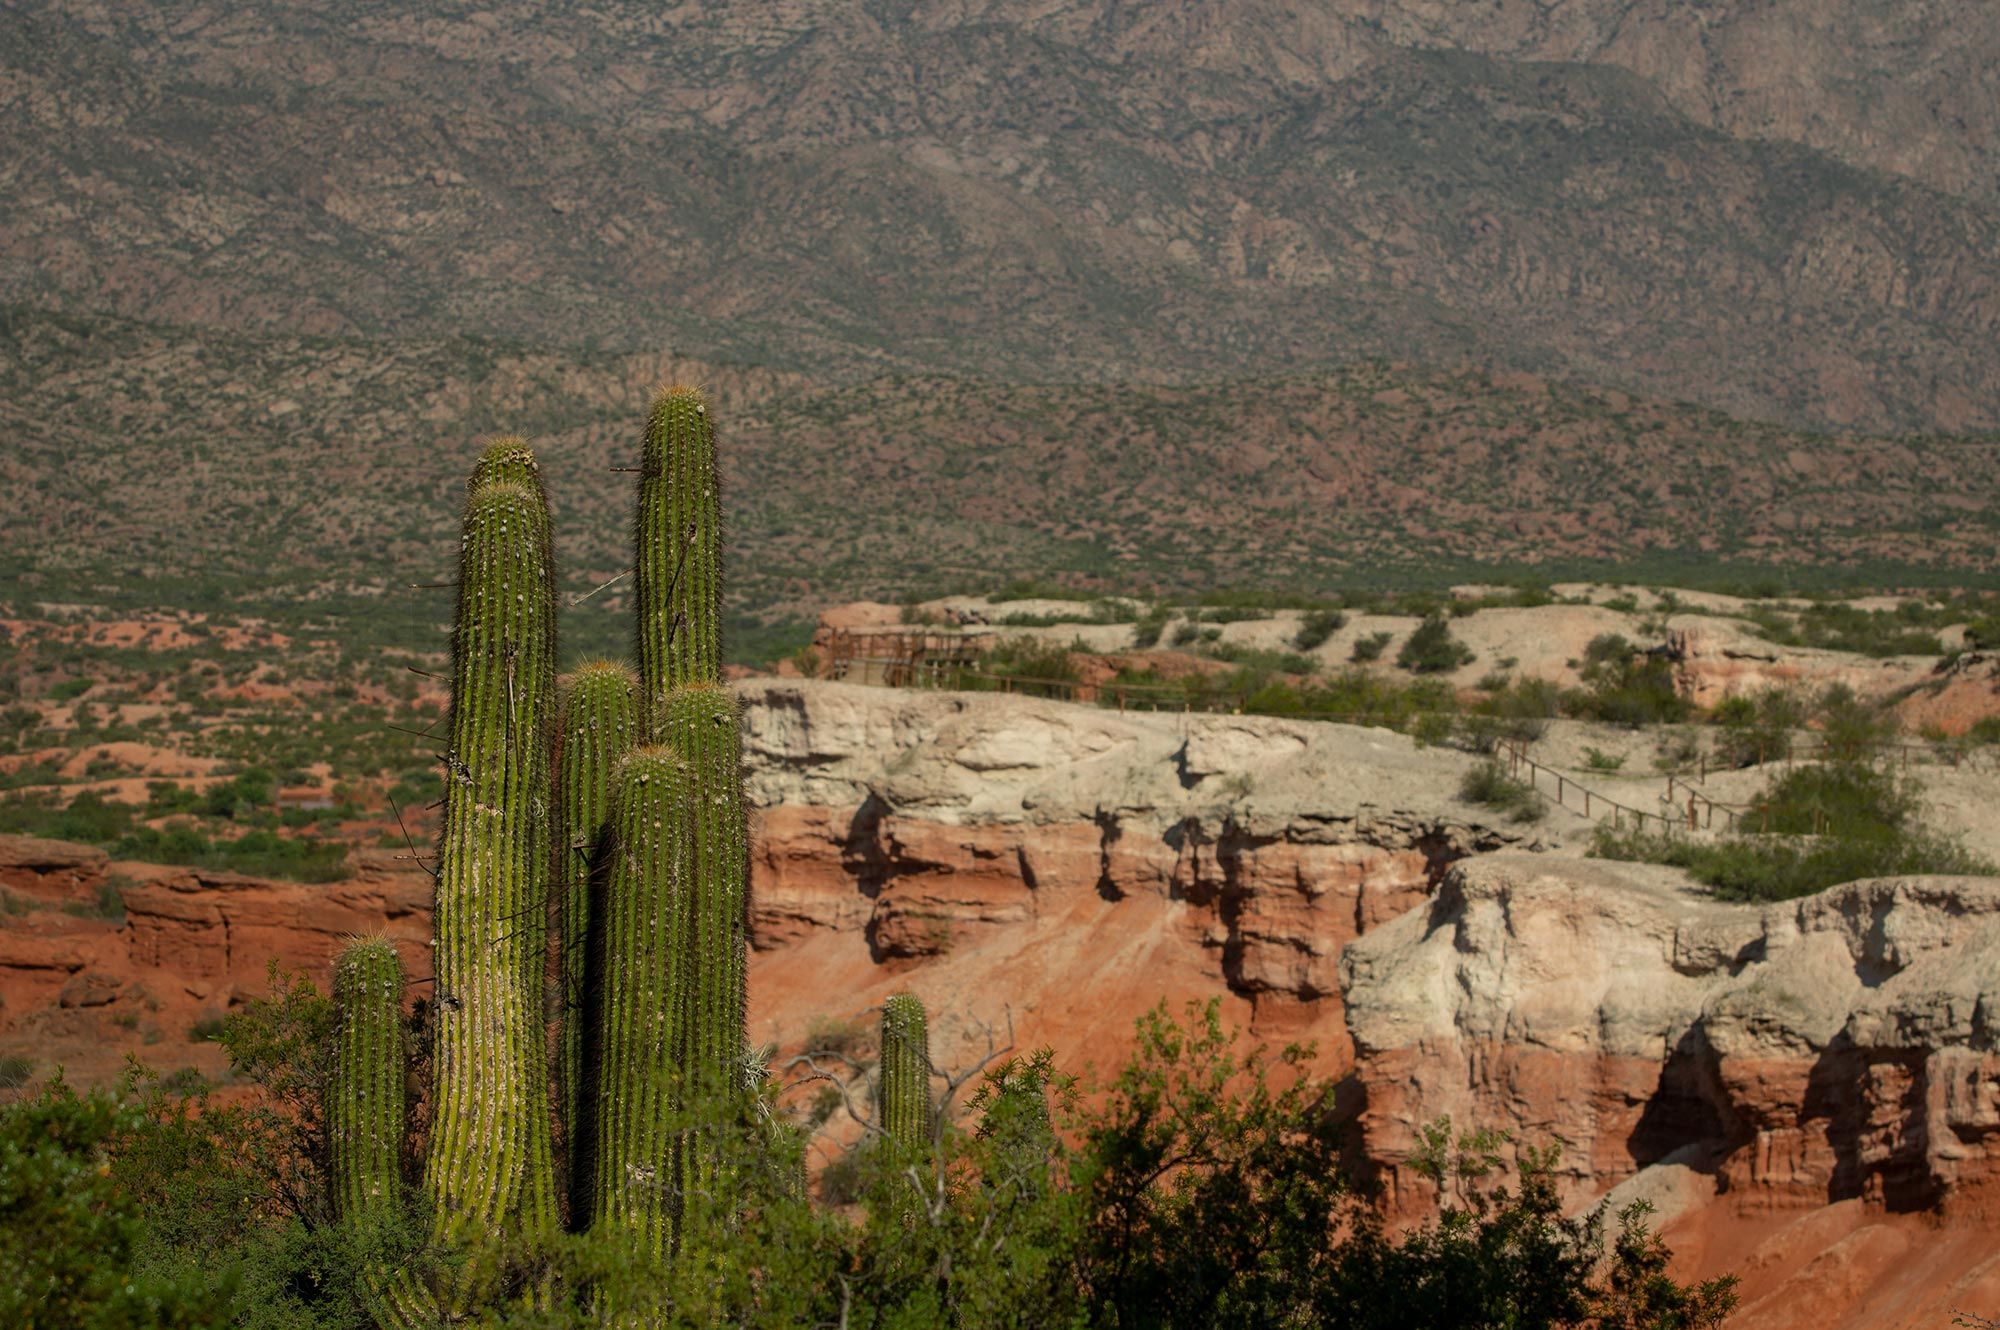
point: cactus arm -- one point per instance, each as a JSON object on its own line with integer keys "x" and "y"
{"x": 702, "y": 723}
{"x": 636, "y": 1128}
{"x": 365, "y": 1106}
{"x": 365, "y": 1121}
{"x": 678, "y": 560}
{"x": 489, "y": 1171}
{"x": 600, "y": 722}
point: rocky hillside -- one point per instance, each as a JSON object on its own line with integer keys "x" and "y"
{"x": 281, "y": 474}
{"x": 1138, "y": 293}
{"x": 1785, "y": 211}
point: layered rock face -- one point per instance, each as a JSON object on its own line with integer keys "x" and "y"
{"x": 101, "y": 958}
{"x": 1016, "y": 861}
{"x": 923, "y": 837}
{"x": 1734, "y": 1065}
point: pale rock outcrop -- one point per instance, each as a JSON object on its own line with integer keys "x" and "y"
{"x": 931, "y": 819}
{"x": 1788, "y": 1055}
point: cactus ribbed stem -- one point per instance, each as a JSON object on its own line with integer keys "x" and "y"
{"x": 678, "y": 561}
{"x": 365, "y": 1118}
{"x": 364, "y": 1115}
{"x": 702, "y": 723}
{"x": 905, "y": 1090}
{"x": 637, "y": 1116}
{"x": 600, "y": 722}
{"x": 489, "y": 1172}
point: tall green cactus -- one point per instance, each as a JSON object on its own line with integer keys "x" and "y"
{"x": 905, "y": 1089}
{"x": 635, "y": 1187}
{"x": 702, "y": 724}
{"x": 599, "y": 724}
{"x": 364, "y": 1112}
{"x": 489, "y": 1171}
{"x": 646, "y": 849}
{"x": 678, "y": 580}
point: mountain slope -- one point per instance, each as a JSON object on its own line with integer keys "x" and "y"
{"x": 1097, "y": 191}
{"x": 162, "y": 466}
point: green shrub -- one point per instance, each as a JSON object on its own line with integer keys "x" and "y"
{"x": 1031, "y": 665}
{"x": 1815, "y": 827}
{"x": 1370, "y": 647}
{"x": 1773, "y": 868}
{"x": 1757, "y": 729}
{"x": 1432, "y": 649}
{"x": 1596, "y": 759}
{"x": 1623, "y": 686}
{"x": 15, "y": 1071}
{"x": 1851, "y": 729}
{"x": 1317, "y": 627}
{"x": 1146, "y": 631}
{"x": 1490, "y": 785}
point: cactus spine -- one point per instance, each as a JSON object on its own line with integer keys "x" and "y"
{"x": 600, "y": 722}
{"x": 365, "y": 1112}
{"x": 635, "y": 1187}
{"x": 489, "y": 1170}
{"x": 905, "y": 1090}
{"x": 679, "y": 566}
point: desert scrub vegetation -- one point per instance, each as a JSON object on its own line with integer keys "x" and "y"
{"x": 1316, "y": 627}
{"x": 1023, "y": 664}
{"x": 1432, "y": 649}
{"x": 1489, "y": 785}
{"x": 1369, "y": 647}
{"x": 1033, "y": 1205}
{"x": 1814, "y": 827}
{"x": 1623, "y": 684}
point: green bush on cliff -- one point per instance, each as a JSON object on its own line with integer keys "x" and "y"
{"x": 1814, "y": 827}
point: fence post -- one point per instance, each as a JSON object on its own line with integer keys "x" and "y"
{"x": 1694, "y": 822}
{"x": 1121, "y": 701}
{"x": 1586, "y": 802}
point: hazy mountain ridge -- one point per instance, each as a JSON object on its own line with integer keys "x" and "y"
{"x": 1091, "y": 191}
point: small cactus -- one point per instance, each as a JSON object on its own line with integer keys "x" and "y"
{"x": 905, "y": 1090}
{"x": 364, "y": 1116}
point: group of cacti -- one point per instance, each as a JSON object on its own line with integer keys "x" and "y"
{"x": 613, "y": 813}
